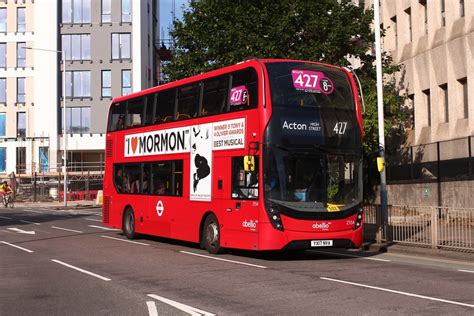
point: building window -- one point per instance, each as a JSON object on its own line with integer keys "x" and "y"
{"x": 76, "y": 46}
{"x": 126, "y": 11}
{"x": 121, "y": 48}
{"x": 3, "y": 20}
{"x": 411, "y": 98}
{"x": 77, "y": 11}
{"x": 425, "y": 12}
{"x": 78, "y": 120}
{"x": 393, "y": 20}
{"x": 126, "y": 82}
{"x": 3, "y": 125}
{"x": 106, "y": 16}
{"x": 410, "y": 35}
{"x": 43, "y": 159}
{"x": 443, "y": 13}
{"x": 461, "y": 8}
{"x": 21, "y": 54}
{"x": 428, "y": 105}
{"x": 464, "y": 93}
{"x": 106, "y": 83}
{"x": 3, "y": 159}
{"x": 78, "y": 84}
{"x": 444, "y": 99}
{"x": 3, "y": 90}
{"x": 21, "y": 124}
{"x": 21, "y": 20}
{"x": 3, "y": 55}
{"x": 20, "y": 90}
{"x": 21, "y": 160}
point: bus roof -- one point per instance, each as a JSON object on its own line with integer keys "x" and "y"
{"x": 211, "y": 73}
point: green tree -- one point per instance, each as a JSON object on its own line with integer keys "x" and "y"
{"x": 213, "y": 34}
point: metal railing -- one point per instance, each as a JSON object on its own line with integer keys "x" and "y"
{"x": 425, "y": 226}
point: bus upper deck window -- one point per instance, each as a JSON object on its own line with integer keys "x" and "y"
{"x": 215, "y": 95}
{"x": 135, "y": 112}
{"x": 188, "y": 99}
{"x": 165, "y": 101}
{"x": 244, "y": 91}
{"x": 117, "y": 117}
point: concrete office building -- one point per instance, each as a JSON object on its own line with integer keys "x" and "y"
{"x": 433, "y": 42}
{"x": 109, "y": 50}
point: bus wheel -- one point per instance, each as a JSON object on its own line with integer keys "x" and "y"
{"x": 128, "y": 224}
{"x": 211, "y": 235}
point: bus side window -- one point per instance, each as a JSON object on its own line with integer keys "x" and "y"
{"x": 248, "y": 79}
{"x": 214, "y": 99}
{"x": 132, "y": 175}
{"x": 149, "y": 108}
{"x": 165, "y": 101}
{"x": 135, "y": 110}
{"x": 118, "y": 178}
{"x": 244, "y": 184}
{"x": 167, "y": 178}
{"x": 188, "y": 100}
{"x": 117, "y": 117}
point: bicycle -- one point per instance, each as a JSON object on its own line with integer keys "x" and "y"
{"x": 8, "y": 200}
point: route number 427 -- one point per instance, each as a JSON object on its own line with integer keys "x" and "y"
{"x": 340, "y": 128}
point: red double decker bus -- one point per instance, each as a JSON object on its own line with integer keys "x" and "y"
{"x": 262, "y": 155}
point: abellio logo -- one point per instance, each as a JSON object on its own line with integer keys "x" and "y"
{"x": 322, "y": 226}
{"x": 249, "y": 224}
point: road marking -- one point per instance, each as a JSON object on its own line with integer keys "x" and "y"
{"x": 185, "y": 308}
{"x": 468, "y": 271}
{"x": 66, "y": 229}
{"x": 226, "y": 260}
{"x": 4, "y": 217}
{"x": 399, "y": 292}
{"x": 28, "y": 222}
{"x": 104, "y": 228}
{"x": 21, "y": 248}
{"x": 93, "y": 219}
{"x": 32, "y": 211}
{"x": 124, "y": 240}
{"x": 32, "y": 232}
{"x": 351, "y": 256}
{"x": 81, "y": 270}
{"x": 152, "y": 311}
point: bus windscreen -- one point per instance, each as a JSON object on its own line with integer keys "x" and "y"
{"x": 298, "y": 84}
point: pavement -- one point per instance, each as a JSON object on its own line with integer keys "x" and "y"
{"x": 59, "y": 205}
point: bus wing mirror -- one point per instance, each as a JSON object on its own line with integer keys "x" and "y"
{"x": 249, "y": 163}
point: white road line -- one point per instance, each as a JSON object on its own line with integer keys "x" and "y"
{"x": 32, "y": 211}
{"x": 185, "y": 308}
{"x": 351, "y": 256}
{"x": 152, "y": 311}
{"x": 399, "y": 292}
{"x": 93, "y": 219}
{"x": 468, "y": 271}
{"x": 81, "y": 270}
{"x": 67, "y": 229}
{"x": 226, "y": 260}
{"x": 4, "y": 217}
{"x": 104, "y": 228}
{"x": 124, "y": 240}
{"x": 28, "y": 222}
{"x": 21, "y": 248}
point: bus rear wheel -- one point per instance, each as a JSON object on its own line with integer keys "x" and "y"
{"x": 128, "y": 224}
{"x": 211, "y": 235}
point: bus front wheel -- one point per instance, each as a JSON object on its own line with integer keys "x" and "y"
{"x": 211, "y": 235}
{"x": 128, "y": 225}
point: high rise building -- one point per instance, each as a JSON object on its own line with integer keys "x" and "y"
{"x": 108, "y": 47}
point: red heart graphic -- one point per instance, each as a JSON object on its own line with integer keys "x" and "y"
{"x": 134, "y": 143}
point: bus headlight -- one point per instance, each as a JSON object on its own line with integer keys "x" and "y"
{"x": 359, "y": 218}
{"x": 274, "y": 216}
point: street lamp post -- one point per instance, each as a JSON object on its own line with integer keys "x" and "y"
{"x": 63, "y": 59}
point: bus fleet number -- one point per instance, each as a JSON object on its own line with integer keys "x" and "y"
{"x": 310, "y": 81}
{"x": 340, "y": 128}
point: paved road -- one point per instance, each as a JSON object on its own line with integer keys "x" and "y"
{"x": 62, "y": 262}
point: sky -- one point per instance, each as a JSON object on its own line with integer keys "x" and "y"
{"x": 166, "y": 7}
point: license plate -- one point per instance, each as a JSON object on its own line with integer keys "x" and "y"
{"x": 321, "y": 243}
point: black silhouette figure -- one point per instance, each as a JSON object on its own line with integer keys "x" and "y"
{"x": 202, "y": 170}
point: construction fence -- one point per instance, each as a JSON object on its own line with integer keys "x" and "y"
{"x": 432, "y": 227}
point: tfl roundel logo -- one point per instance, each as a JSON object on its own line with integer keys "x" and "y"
{"x": 160, "y": 208}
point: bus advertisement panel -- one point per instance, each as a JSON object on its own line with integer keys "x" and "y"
{"x": 265, "y": 154}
